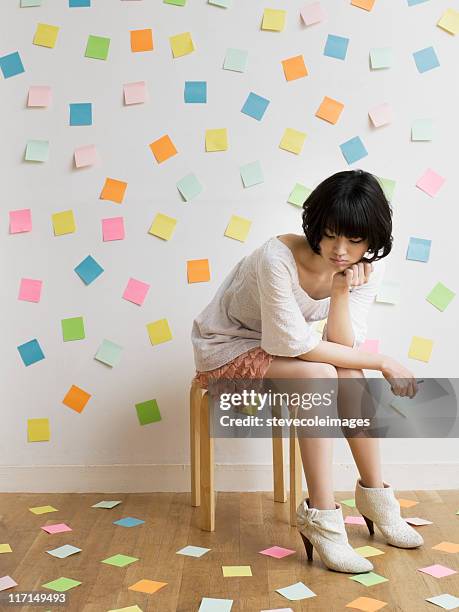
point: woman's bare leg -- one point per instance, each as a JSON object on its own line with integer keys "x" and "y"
{"x": 316, "y": 453}
{"x": 365, "y": 450}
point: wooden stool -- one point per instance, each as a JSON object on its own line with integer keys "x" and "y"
{"x": 202, "y": 462}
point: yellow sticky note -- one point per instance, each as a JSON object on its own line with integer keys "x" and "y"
{"x": 63, "y": 222}
{"x": 420, "y": 348}
{"x": 217, "y": 140}
{"x": 43, "y": 509}
{"x": 449, "y": 21}
{"x": 273, "y": 19}
{"x": 368, "y": 551}
{"x": 37, "y": 430}
{"x": 159, "y": 331}
{"x": 238, "y": 228}
{"x": 236, "y": 570}
{"x": 163, "y": 226}
{"x": 292, "y": 140}
{"x": 45, "y": 35}
{"x": 181, "y": 44}
{"x": 5, "y": 548}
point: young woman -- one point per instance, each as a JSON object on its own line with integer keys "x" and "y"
{"x": 258, "y": 325}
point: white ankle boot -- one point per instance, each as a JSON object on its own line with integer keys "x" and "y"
{"x": 325, "y": 530}
{"x": 379, "y": 506}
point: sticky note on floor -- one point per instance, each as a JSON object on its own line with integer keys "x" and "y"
{"x": 136, "y": 291}
{"x": 113, "y": 229}
{"x": 97, "y": 47}
{"x": 39, "y": 95}
{"x": 6, "y": 582}
{"x": 62, "y": 584}
{"x": 163, "y": 148}
{"x": 76, "y": 398}
{"x": 73, "y": 329}
{"x": 5, "y": 548}
{"x": 369, "y": 579}
{"x": 440, "y": 296}
{"x": 368, "y": 551}
{"x": 113, "y": 190}
{"x": 420, "y": 348}
{"x": 236, "y": 570}
{"x": 294, "y": 68}
{"x": 11, "y": 64}
{"x": 296, "y": 591}
{"x": 255, "y": 106}
{"x": 56, "y": 528}
{"x": 181, "y": 44}
{"x": 106, "y": 504}
{"x": 419, "y": 249}
{"x": 147, "y": 586}
{"x": 299, "y": 194}
{"x": 292, "y": 141}
{"x": 159, "y": 331}
{"x": 238, "y": 228}
{"x": 437, "y": 570}
{"x": 198, "y": 270}
{"x": 336, "y": 46}
{"x": 109, "y": 353}
{"x": 30, "y": 290}
{"x": 37, "y": 150}
{"x": 330, "y": 110}
{"x": 38, "y": 430}
{"x": 450, "y": 547}
{"x": 193, "y": 551}
{"x": 120, "y": 560}
{"x": 163, "y": 226}
{"x": 445, "y": 601}
{"x": 20, "y": 220}
{"x": 366, "y": 604}
{"x": 430, "y": 182}
{"x": 88, "y": 270}
{"x": 148, "y": 412}
{"x": 216, "y": 140}
{"x": 426, "y": 59}
{"x": 236, "y": 60}
{"x": 128, "y": 521}
{"x": 353, "y": 150}
{"x": 43, "y": 509}
{"x": 46, "y": 35}
{"x": 214, "y": 604}
{"x": 62, "y": 552}
{"x": 141, "y": 40}
{"x": 252, "y": 174}
{"x": 278, "y": 552}
{"x": 189, "y": 187}
{"x": 449, "y": 21}
{"x": 135, "y": 93}
{"x": 85, "y": 156}
{"x": 273, "y": 19}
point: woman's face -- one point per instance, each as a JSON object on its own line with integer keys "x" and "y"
{"x": 341, "y": 252}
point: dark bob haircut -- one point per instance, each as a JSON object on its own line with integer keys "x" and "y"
{"x": 352, "y": 204}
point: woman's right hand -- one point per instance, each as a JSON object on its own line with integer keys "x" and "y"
{"x": 402, "y": 381}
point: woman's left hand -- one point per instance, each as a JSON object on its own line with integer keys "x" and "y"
{"x": 355, "y": 275}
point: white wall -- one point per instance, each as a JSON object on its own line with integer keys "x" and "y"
{"x": 107, "y": 432}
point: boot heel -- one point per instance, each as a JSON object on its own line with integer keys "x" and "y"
{"x": 370, "y": 526}
{"x": 308, "y": 546}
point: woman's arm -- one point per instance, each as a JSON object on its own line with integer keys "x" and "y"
{"x": 339, "y": 325}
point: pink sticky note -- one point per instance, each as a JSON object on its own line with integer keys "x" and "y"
{"x": 85, "y": 156}
{"x": 136, "y": 291}
{"x": 430, "y": 182}
{"x": 20, "y": 221}
{"x": 354, "y": 520}
{"x": 30, "y": 290}
{"x": 369, "y": 346}
{"x": 437, "y": 570}
{"x": 381, "y": 115}
{"x": 57, "y": 528}
{"x": 312, "y": 13}
{"x": 277, "y": 551}
{"x": 6, "y": 582}
{"x": 39, "y": 95}
{"x": 418, "y": 521}
{"x": 113, "y": 228}
{"x": 135, "y": 93}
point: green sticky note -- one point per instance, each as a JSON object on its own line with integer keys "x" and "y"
{"x": 252, "y": 174}
{"x": 106, "y": 504}
{"x": 299, "y": 194}
{"x": 222, "y": 3}
{"x": 422, "y": 129}
{"x": 189, "y": 187}
{"x": 440, "y": 296}
{"x": 109, "y": 353}
{"x": 37, "y": 150}
{"x": 120, "y": 560}
{"x": 148, "y": 412}
{"x": 389, "y": 292}
{"x": 348, "y": 502}
{"x": 176, "y": 2}
{"x": 236, "y": 60}
{"x": 369, "y": 579}
{"x": 388, "y": 186}
{"x": 73, "y": 329}
{"x": 61, "y": 584}
{"x": 97, "y": 47}
{"x": 381, "y": 58}
{"x": 25, "y": 3}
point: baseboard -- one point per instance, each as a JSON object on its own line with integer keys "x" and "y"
{"x": 228, "y": 477}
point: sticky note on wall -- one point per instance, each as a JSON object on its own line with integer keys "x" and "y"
{"x": 159, "y": 331}
{"x": 38, "y": 430}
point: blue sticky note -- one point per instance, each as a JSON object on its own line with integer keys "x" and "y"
{"x": 189, "y": 186}
{"x": 81, "y": 113}
{"x": 414, "y": 2}
{"x": 128, "y": 521}
{"x": 11, "y": 65}
{"x": 77, "y": 3}
{"x": 31, "y": 352}
{"x": 296, "y": 592}
{"x": 88, "y": 270}
{"x": 426, "y": 59}
{"x": 336, "y": 46}
{"x": 255, "y": 106}
{"x": 195, "y": 92}
{"x": 445, "y": 601}
{"x": 418, "y": 249}
{"x": 213, "y": 604}
{"x": 353, "y": 150}
{"x": 252, "y": 174}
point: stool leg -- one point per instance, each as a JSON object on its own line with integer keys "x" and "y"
{"x": 296, "y": 492}
{"x": 278, "y": 468}
{"x": 195, "y": 426}
{"x": 207, "y": 468}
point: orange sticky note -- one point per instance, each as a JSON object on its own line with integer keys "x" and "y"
{"x": 406, "y": 503}
{"x": 147, "y": 586}
{"x": 294, "y": 68}
{"x": 450, "y": 547}
{"x": 364, "y": 4}
{"x": 113, "y": 190}
{"x": 141, "y": 40}
{"x": 76, "y": 398}
{"x": 366, "y": 604}
{"x": 163, "y": 148}
{"x": 198, "y": 270}
{"x": 330, "y": 110}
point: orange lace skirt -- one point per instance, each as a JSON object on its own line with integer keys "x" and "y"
{"x": 249, "y": 365}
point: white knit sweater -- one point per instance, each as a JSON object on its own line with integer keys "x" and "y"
{"x": 261, "y": 303}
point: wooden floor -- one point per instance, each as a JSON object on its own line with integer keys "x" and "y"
{"x": 245, "y": 524}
